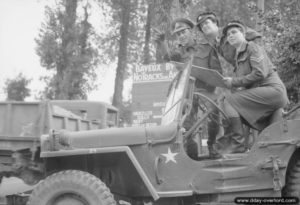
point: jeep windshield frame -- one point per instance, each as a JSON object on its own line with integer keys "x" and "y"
{"x": 176, "y": 94}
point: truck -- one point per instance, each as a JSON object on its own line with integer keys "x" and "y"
{"x": 152, "y": 165}
{"x": 23, "y": 123}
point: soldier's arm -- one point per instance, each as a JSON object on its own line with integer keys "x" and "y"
{"x": 161, "y": 43}
{"x": 164, "y": 49}
{"x": 258, "y": 67}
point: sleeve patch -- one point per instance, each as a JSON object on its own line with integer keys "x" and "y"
{"x": 257, "y": 59}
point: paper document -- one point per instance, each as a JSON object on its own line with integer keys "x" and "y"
{"x": 209, "y": 76}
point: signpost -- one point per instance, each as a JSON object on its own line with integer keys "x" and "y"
{"x": 149, "y": 90}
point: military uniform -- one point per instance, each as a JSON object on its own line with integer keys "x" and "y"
{"x": 203, "y": 56}
{"x": 260, "y": 91}
{"x": 228, "y": 52}
{"x": 224, "y": 53}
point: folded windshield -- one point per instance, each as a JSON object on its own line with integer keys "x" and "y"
{"x": 175, "y": 97}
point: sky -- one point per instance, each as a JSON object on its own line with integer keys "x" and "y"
{"x": 20, "y": 21}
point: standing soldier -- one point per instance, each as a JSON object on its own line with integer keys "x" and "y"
{"x": 208, "y": 25}
{"x": 202, "y": 57}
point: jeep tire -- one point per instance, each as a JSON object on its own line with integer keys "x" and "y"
{"x": 292, "y": 187}
{"x": 71, "y": 187}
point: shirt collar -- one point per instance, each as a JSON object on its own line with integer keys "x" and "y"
{"x": 243, "y": 47}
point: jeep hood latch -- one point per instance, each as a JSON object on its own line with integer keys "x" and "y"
{"x": 275, "y": 164}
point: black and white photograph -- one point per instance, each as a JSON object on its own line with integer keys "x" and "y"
{"x": 149, "y": 102}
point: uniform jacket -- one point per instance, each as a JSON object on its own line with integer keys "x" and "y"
{"x": 228, "y": 51}
{"x": 204, "y": 56}
{"x": 254, "y": 68}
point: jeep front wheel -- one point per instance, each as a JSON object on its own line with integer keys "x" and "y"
{"x": 71, "y": 187}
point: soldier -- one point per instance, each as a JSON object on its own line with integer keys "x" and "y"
{"x": 202, "y": 56}
{"x": 208, "y": 25}
{"x": 258, "y": 90}
{"x": 182, "y": 29}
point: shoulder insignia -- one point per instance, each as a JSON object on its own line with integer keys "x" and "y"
{"x": 257, "y": 59}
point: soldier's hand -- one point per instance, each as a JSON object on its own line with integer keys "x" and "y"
{"x": 157, "y": 35}
{"x": 228, "y": 82}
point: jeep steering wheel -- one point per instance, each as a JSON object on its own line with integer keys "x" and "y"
{"x": 205, "y": 104}
{"x": 208, "y": 106}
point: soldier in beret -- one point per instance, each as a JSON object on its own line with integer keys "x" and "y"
{"x": 257, "y": 90}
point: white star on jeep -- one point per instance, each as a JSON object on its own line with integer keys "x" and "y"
{"x": 170, "y": 156}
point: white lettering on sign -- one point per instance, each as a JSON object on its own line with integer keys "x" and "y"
{"x": 143, "y": 118}
{"x": 154, "y": 73}
{"x": 143, "y": 112}
{"x": 148, "y": 68}
{"x": 169, "y": 66}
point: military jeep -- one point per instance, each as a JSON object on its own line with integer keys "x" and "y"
{"x": 150, "y": 165}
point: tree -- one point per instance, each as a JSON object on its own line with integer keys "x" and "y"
{"x": 281, "y": 24}
{"x": 122, "y": 54}
{"x": 146, "y": 51}
{"x": 64, "y": 46}
{"x": 162, "y": 20}
{"x": 226, "y": 10}
{"x": 17, "y": 88}
{"x": 124, "y": 41}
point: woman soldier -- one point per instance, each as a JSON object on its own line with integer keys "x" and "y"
{"x": 257, "y": 90}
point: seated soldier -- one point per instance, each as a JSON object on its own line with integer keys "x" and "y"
{"x": 256, "y": 89}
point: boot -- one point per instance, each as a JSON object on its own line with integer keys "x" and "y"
{"x": 237, "y": 136}
{"x": 213, "y": 153}
{"x": 213, "y": 129}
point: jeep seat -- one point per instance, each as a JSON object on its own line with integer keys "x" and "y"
{"x": 267, "y": 120}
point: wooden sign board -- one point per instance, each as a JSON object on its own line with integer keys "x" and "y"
{"x": 149, "y": 92}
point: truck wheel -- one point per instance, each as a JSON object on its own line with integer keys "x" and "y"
{"x": 292, "y": 187}
{"x": 71, "y": 187}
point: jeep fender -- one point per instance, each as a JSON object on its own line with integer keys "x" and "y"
{"x": 90, "y": 151}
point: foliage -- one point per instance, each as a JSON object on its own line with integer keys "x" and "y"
{"x": 17, "y": 88}
{"x": 161, "y": 21}
{"x": 109, "y": 40}
{"x": 124, "y": 42}
{"x": 65, "y": 45}
{"x": 282, "y": 40}
{"x": 226, "y": 10}
{"x": 49, "y": 90}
